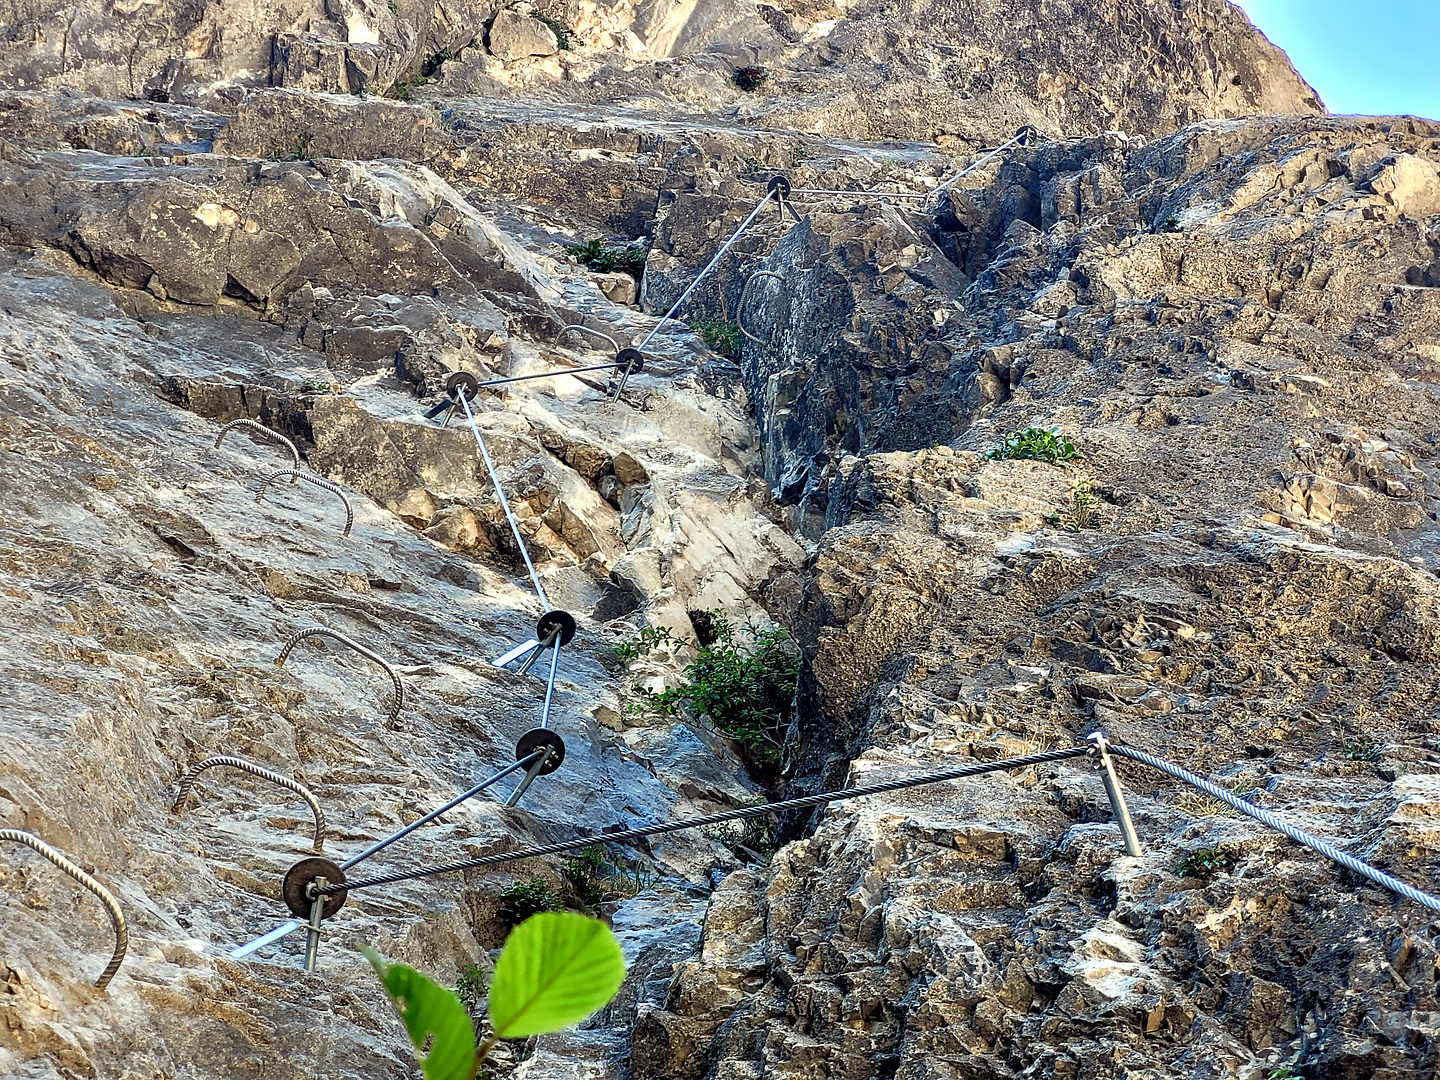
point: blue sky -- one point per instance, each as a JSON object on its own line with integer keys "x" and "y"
{"x": 1379, "y": 58}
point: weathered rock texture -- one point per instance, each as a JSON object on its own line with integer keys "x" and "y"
{"x": 211, "y": 214}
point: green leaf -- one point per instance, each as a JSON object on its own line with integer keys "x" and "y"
{"x": 557, "y": 969}
{"x": 429, "y": 1010}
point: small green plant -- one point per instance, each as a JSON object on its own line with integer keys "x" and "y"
{"x": 750, "y": 79}
{"x": 299, "y": 150}
{"x": 1081, "y": 514}
{"x": 629, "y": 259}
{"x": 471, "y": 986}
{"x": 1172, "y": 224}
{"x": 563, "y": 36}
{"x": 1205, "y": 863}
{"x": 1362, "y": 748}
{"x": 316, "y": 386}
{"x": 1284, "y": 1072}
{"x": 592, "y": 877}
{"x": 521, "y": 899}
{"x": 743, "y": 683}
{"x": 1035, "y": 444}
{"x": 393, "y": 6}
{"x": 649, "y": 639}
{"x": 722, "y": 337}
{"x": 1199, "y": 804}
{"x": 555, "y": 970}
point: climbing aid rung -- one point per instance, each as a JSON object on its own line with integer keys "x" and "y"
{"x": 187, "y": 781}
{"x": 580, "y": 328}
{"x": 318, "y": 481}
{"x": 325, "y": 631}
{"x": 740, "y": 307}
{"x": 117, "y": 917}
{"x": 259, "y": 429}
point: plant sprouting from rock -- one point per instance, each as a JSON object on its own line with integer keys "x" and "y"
{"x": 722, "y": 337}
{"x": 521, "y": 899}
{"x": 555, "y": 970}
{"x": 1035, "y": 444}
{"x": 611, "y": 259}
{"x": 750, "y": 79}
{"x": 1205, "y": 863}
{"x": 742, "y": 683}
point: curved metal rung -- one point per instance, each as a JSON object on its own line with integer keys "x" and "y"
{"x": 117, "y": 917}
{"x": 325, "y": 631}
{"x": 588, "y": 330}
{"x": 318, "y": 481}
{"x": 740, "y": 307}
{"x": 261, "y": 429}
{"x": 187, "y": 781}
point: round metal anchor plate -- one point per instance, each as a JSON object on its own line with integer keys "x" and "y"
{"x": 1025, "y": 134}
{"x": 463, "y": 379}
{"x": 779, "y": 185}
{"x": 298, "y": 879}
{"x": 536, "y": 739}
{"x": 634, "y": 359}
{"x": 552, "y": 620}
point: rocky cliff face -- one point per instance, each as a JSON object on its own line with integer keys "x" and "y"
{"x": 212, "y": 214}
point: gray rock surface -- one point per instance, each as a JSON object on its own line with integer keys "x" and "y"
{"x": 1229, "y": 301}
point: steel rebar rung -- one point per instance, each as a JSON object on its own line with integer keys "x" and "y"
{"x": 187, "y": 781}
{"x": 318, "y": 481}
{"x": 261, "y": 429}
{"x": 117, "y": 917}
{"x": 325, "y": 631}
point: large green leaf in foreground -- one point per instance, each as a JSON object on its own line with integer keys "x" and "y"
{"x": 556, "y": 970}
{"x": 429, "y": 1010}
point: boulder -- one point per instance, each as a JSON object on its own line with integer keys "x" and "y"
{"x": 514, "y": 37}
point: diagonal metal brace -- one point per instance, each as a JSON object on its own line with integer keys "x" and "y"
{"x": 1100, "y": 750}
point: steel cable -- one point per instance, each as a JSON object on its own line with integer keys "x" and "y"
{"x": 504, "y": 503}
{"x": 708, "y": 267}
{"x": 1279, "y": 824}
{"x": 117, "y": 917}
{"x": 715, "y": 819}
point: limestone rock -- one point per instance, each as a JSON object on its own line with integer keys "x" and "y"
{"x": 514, "y": 36}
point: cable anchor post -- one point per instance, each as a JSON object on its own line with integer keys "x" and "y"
{"x": 312, "y": 929}
{"x": 529, "y": 778}
{"x": 1100, "y": 748}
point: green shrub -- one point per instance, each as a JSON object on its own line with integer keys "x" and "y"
{"x": 555, "y": 970}
{"x": 750, "y": 79}
{"x": 1205, "y": 863}
{"x": 471, "y": 985}
{"x": 743, "y": 683}
{"x": 649, "y": 639}
{"x": 562, "y": 32}
{"x": 722, "y": 337}
{"x": 521, "y": 899}
{"x": 1036, "y": 444}
{"x": 1081, "y": 513}
{"x": 1362, "y": 748}
{"x": 628, "y": 259}
{"x": 592, "y": 877}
